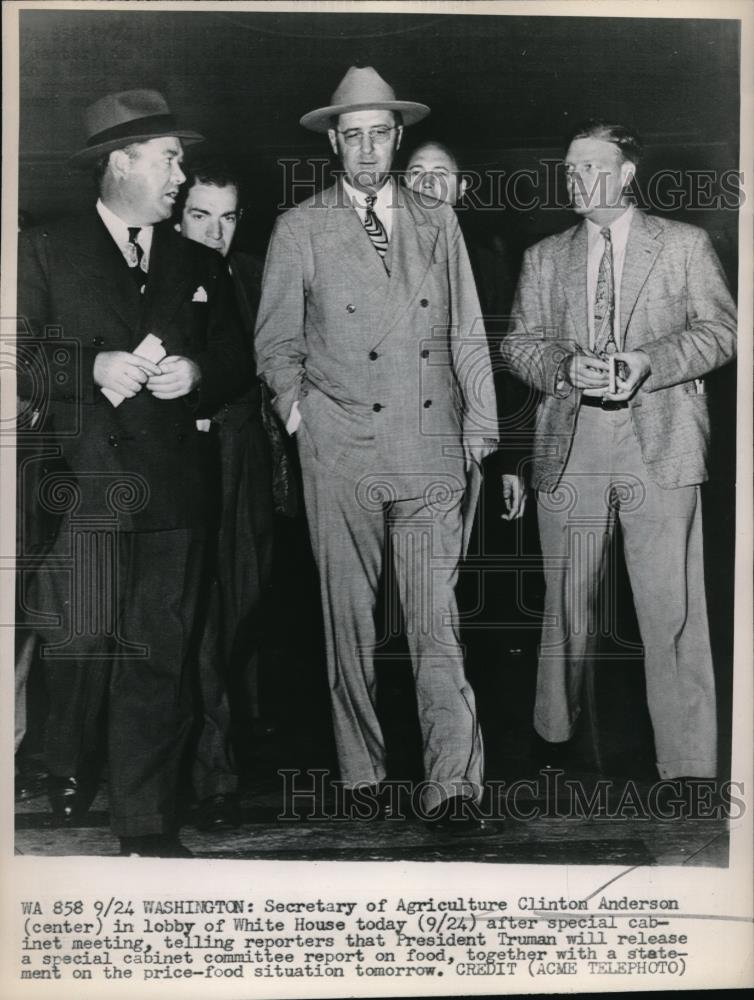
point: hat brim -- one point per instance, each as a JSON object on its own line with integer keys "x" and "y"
{"x": 86, "y": 157}
{"x": 320, "y": 120}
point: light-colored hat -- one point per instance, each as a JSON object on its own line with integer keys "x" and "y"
{"x": 129, "y": 116}
{"x": 363, "y": 89}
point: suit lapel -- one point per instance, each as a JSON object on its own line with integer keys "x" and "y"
{"x": 348, "y": 247}
{"x": 572, "y": 272}
{"x": 95, "y": 255}
{"x": 412, "y": 244}
{"x": 170, "y": 275}
{"x": 642, "y": 249}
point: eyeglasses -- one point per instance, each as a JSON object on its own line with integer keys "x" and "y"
{"x": 377, "y": 136}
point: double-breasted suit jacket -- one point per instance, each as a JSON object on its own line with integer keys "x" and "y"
{"x": 390, "y": 367}
{"x": 391, "y": 373}
{"x": 73, "y": 279}
{"x": 125, "y": 571}
{"x": 674, "y": 306}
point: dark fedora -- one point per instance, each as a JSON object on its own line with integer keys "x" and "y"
{"x": 129, "y": 116}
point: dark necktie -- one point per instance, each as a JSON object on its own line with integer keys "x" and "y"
{"x": 136, "y": 256}
{"x": 374, "y": 227}
{"x": 604, "y": 301}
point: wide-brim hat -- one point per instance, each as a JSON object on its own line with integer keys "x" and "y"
{"x": 362, "y": 89}
{"x": 129, "y": 116}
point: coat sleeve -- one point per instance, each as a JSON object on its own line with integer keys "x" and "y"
{"x": 708, "y": 338}
{"x": 471, "y": 355}
{"x": 530, "y": 349}
{"x": 279, "y": 338}
{"x": 47, "y": 367}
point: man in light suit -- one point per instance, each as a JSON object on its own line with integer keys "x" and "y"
{"x": 369, "y": 334}
{"x": 124, "y": 573}
{"x": 646, "y": 296}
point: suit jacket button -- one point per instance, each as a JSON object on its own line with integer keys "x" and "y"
{"x": 425, "y": 353}
{"x": 427, "y": 403}
{"x": 98, "y": 341}
{"x": 350, "y": 308}
{"x": 112, "y": 440}
{"x": 373, "y": 355}
{"x": 424, "y": 303}
{"x": 377, "y": 407}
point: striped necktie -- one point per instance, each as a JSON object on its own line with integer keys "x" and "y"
{"x": 374, "y": 228}
{"x": 604, "y": 301}
{"x": 136, "y": 257}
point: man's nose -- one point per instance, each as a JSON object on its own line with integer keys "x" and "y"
{"x": 215, "y": 229}
{"x": 428, "y": 182}
{"x": 367, "y": 142}
{"x": 177, "y": 174}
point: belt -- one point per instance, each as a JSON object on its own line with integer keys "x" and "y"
{"x": 603, "y": 404}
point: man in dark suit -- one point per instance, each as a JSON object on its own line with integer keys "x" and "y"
{"x": 371, "y": 339}
{"x": 124, "y": 573}
{"x": 241, "y": 546}
{"x": 646, "y": 297}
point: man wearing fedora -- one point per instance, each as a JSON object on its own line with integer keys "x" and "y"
{"x": 370, "y": 336}
{"x": 125, "y": 571}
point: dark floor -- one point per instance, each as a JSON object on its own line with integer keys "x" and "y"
{"x": 500, "y": 598}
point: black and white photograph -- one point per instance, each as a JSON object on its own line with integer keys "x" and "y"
{"x": 376, "y": 469}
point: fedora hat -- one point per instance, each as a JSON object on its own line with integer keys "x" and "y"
{"x": 362, "y": 89}
{"x": 129, "y": 116}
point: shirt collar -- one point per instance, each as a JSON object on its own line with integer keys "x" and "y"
{"x": 118, "y": 229}
{"x": 618, "y": 229}
{"x": 383, "y": 203}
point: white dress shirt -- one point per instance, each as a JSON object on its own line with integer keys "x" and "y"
{"x": 596, "y": 247}
{"x": 118, "y": 229}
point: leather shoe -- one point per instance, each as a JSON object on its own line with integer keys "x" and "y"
{"x": 551, "y": 756}
{"x": 457, "y": 816}
{"x": 153, "y": 845}
{"x": 218, "y": 812}
{"x": 68, "y": 799}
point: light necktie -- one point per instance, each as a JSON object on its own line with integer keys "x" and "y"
{"x": 604, "y": 301}
{"x": 375, "y": 229}
{"x": 136, "y": 256}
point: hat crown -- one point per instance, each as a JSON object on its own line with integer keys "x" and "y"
{"x": 362, "y": 85}
{"x": 122, "y": 108}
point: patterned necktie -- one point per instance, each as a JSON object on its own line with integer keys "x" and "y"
{"x": 604, "y": 301}
{"x": 375, "y": 229}
{"x": 136, "y": 256}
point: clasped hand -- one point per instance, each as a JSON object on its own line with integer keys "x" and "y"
{"x": 589, "y": 372}
{"x": 127, "y": 373}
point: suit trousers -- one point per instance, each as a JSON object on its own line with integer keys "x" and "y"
{"x": 662, "y": 541}
{"x": 349, "y": 529}
{"x": 123, "y": 664}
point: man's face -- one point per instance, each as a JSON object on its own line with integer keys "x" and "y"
{"x": 368, "y": 161}
{"x": 596, "y": 175}
{"x": 210, "y": 216}
{"x": 432, "y": 172}
{"x": 151, "y": 178}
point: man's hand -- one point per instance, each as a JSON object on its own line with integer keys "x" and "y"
{"x": 122, "y": 372}
{"x": 638, "y": 369}
{"x": 588, "y": 372}
{"x": 175, "y": 377}
{"x": 514, "y": 496}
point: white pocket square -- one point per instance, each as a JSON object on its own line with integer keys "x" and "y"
{"x": 200, "y": 295}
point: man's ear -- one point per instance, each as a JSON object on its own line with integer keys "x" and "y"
{"x": 177, "y": 227}
{"x": 627, "y": 173}
{"x": 400, "y": 136}
{"x": 332, "y": 136}
{"x": 120, "y": 161}
{"x": 463, "y": 183}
